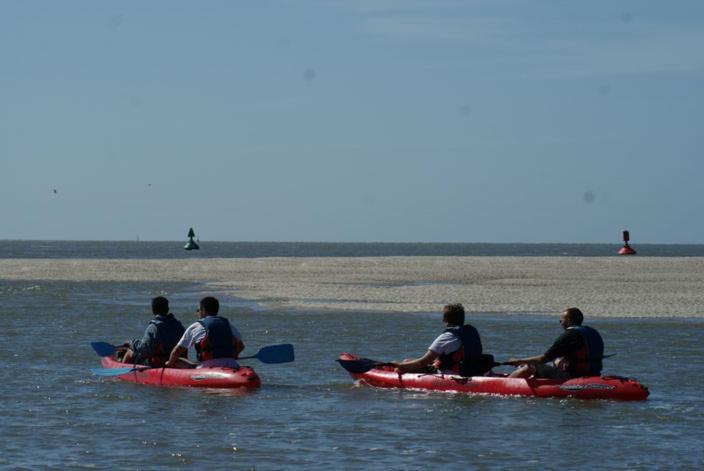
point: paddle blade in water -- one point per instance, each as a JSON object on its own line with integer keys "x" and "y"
{"x": 282, "y": 353}
{"x": 103, "y": 349}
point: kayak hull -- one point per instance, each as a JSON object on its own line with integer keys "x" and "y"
{"x": 227, "y": 378}
{"x": 593, "y": 387}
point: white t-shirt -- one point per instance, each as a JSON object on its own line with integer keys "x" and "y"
{"x": 446, "y": 343}
{"x": 196, "y": 332}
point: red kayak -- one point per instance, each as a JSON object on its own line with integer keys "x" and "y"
{"x": 592, "y": 387}
{"x": 244, "y": 377}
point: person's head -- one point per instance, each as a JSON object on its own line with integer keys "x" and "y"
{"x": 453, "y": 314}
{"x": 160, "y": 306}
{"x": 208, "y": 306}
{"x": 571, "y": 317}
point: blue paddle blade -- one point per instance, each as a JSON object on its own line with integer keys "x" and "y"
{"x": 106, "y": 372}
{"x": 103, "y": 349}
{"x": 282, "y": 353}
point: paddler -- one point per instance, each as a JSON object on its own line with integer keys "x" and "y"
{"x": 577, "y": 352}
{"x": 216, "y": 340}
{"x": 457, "y": 350}
{"x": 159, "y": 338}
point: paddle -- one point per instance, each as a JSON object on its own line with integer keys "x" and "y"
{"x": 103, "y": 349}
{"x": 282, "y": 353}
{"x": 362, "y": 365}
{"x": 128, "y": 369}
{"x": 106, "y": 372}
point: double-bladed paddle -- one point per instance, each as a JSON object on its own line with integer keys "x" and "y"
{"x": 362, "y": 365}
{"x": 282, "y": 353}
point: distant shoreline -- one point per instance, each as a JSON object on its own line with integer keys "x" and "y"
{"x": 600, "y": 286}
{"x": 135, "y": 250}
{"x": 337, "y": 242}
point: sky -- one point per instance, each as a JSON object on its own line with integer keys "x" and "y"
{"x": 367, "y": 120}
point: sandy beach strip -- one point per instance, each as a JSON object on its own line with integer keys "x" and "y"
{"x": 600, "y": 286}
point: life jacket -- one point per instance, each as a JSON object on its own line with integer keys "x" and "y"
{"x": 168, "y": 332}
{"x": 464, "y": 360}
{"x": 218, "y": 340}
{"x": 587, "y": 360}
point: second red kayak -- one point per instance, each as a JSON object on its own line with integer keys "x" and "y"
{"x": 244, "y": 377}
{"x": 593, "y": 387}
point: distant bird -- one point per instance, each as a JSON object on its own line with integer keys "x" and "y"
{"x": 54, "y": 190}
{"x": 149, "y": 184}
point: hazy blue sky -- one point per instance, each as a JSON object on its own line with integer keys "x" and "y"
{"x": 367, "y": 120}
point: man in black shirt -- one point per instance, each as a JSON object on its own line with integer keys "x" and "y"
{"x": 577, "y": 352}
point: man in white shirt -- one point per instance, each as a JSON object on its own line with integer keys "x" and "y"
{"x": 216, "y": 340}
{"x": 459, "y": 343}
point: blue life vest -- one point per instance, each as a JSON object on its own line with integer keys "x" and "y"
{"x": 464, "y": 359}
{"x": 218, "y": 340}
{"x": 588, "y": 358}
{"x": 168, "y": 332}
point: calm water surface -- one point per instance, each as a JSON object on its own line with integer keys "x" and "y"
{"x": 308, "y": 414}
{"x": 170, "y": 250}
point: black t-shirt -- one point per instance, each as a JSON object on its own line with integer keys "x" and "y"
{"x": 566, "y": 345}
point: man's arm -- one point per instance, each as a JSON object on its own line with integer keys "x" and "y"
{"x": 416, "y": 365}
{"x": 535, "y": 360}
{"x": 175, "y": 354}
{"x": 239, "y": 346}
{"x": 558, "y": 349}
{"x": 144, "y": 348}
{"x": 237, "y": 343}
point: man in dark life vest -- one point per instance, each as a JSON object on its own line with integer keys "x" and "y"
{"x": 577, "y": 352}
{"x": 216, "y": 340}
{"x": 456, "y": 350}
{"x": 160, "y": 337}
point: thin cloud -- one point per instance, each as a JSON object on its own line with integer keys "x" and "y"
{"x": 553, "y": 50}
{"x": 660, "y": 53}
{"x": 391, "y": 6}
{"x": 435, "y": 28}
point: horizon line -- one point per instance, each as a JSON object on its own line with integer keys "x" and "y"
{"x": 347, "y": 242}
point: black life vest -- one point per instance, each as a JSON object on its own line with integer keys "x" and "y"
{"x": 218, "y": 340}
{"x": 168, "y": 332}
{"x": 464, "y": 360}
{"x": 587, "y": 360}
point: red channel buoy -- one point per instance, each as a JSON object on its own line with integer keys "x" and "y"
{"x": 626, "y": 249}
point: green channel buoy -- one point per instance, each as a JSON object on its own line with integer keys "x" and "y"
{"x": 191, "y": 244}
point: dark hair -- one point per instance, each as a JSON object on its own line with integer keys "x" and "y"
{"x": 160, "y": 306}
{"x": 574, "y": 315}
{"x": 209, "y": 305}
{"x": 453, "y": 314}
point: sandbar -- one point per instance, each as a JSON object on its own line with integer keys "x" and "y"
{"x": 600, "y": 286}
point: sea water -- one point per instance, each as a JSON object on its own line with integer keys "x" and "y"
{"x": 171, "y": 250}
{"x": 309, "y": 414}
